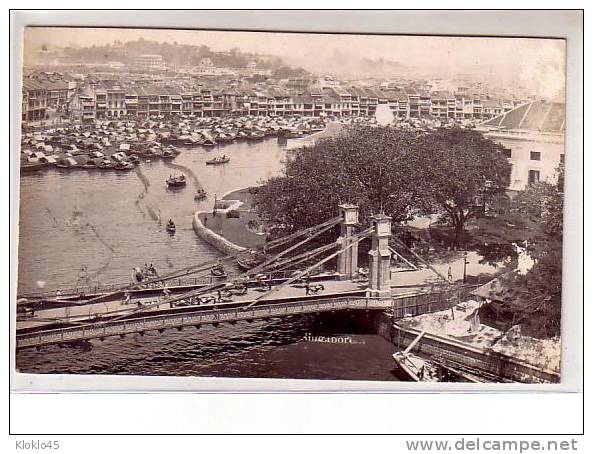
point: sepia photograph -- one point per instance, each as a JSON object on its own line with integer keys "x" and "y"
{"x": 281, "y": 205}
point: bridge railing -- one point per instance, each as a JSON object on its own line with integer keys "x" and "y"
{"x": 400, "y": 306}
{"x": 423, "y": 303}
{"x": 210, "y": 316}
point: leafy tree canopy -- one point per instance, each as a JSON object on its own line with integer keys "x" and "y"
{"x": 368, "y": 167}
{"x": 385, "y": 169}
{"x": 458, "y": 171}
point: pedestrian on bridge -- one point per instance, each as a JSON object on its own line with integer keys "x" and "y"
{"x": 166, "y": 293}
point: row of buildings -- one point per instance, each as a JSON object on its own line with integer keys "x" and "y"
{"x": 45, "y": 92}
{"x": 113, "y": 96}
{"x": 112, "y": 99}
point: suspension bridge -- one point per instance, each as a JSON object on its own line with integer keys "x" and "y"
{"x": 286, "y": 282}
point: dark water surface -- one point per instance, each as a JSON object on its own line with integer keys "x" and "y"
{"x": 111, "y": 222}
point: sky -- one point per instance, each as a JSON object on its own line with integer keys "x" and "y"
{"x": 535, "y": 62}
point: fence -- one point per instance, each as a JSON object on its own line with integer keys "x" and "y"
{"x": 423, "y": 303}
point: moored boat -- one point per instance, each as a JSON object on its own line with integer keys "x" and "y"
{"x": 250, "y": 260}
{"x": 167, "y": 154}
{"x": 415, "y": 368}
{"x": 208, "y": 142}
{"x": 218, "y": 271}
{"x": 123, "y": 165}
{"x": 254, "y": 136}
{"x": 32, "y": 166}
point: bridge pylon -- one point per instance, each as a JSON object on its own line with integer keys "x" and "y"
{"x": 380, "y": 257}
{"x": 348, "y": 257}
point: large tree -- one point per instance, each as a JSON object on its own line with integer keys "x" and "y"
{"x": 457, "y": 171}
{"x": 369, "y": 167}
{"x": 536, "y": 295}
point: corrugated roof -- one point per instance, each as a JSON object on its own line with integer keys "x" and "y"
{"x": 535, "y": 116}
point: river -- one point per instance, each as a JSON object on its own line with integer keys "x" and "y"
{"x": 111, "y": 222}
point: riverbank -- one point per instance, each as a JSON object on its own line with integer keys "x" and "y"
{"x": 462, "y": 323}
{"x": 227, "y": 226}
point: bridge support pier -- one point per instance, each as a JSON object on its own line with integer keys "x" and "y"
{"x": 348, "y": 257}
{"x": 380, "y": 257}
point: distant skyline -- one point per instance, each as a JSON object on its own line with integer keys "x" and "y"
{"x": 533, "y": 62}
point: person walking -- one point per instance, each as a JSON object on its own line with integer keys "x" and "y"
{"x": 166, "y": 293}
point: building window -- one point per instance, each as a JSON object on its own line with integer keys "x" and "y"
{"x": 562, "y": 158}
{"x": 535, "y": 156}
{"x": 507, "y": 152}
{"x": 533, "y": 176}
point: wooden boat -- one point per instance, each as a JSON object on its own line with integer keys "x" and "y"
{"x": 176, "y": 181}
{"x": 250, "y": 260}
{"x": 123, "y": 166}
{"x": 191, "y": 142}
{"x": 171, "y": 226}
{"x": 208, "y": 142}
{"x": 218, "y": 271}
{"x": 254, "y": 136}
{"x": 293, "y": 134}
{"x": 219, "y": 160}
{"x": 225, "y": 137}
{"x": 32, "y": 166}
{"x": 200, "y": 195}
{"x": 105, "y": 165}
{"x": 167, "y": 154}
{"x": 414, "y": 368}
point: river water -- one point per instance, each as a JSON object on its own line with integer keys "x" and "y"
{"x": 111, "y": 222}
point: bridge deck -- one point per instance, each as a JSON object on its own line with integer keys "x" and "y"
{"x": 116, "y": 307}
{"x": 234, "y": 312}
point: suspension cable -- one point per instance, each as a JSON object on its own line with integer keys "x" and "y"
{"x": 280, "y": 241}
{"x": 354, "y": 240}
{"x": 182, "y": 272}
{"x": 304, "y": 255}
{"x": 403, "y": 258}
{"x": 424, "y": 262}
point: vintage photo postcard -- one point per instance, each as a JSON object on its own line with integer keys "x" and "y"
{"x": 291, "y": 205}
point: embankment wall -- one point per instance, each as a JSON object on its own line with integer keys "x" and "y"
{"x": 487, "y": 361}
{"x": 214, "y": 239}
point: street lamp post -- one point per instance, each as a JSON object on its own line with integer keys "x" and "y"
{"x": 465, "y": 262}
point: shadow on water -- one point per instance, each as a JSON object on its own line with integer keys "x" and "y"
{"x": 153, "y": 213}
{"x": 80, "y": 225}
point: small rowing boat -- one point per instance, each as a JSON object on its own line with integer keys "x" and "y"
{"x": 218, "y": 160}
{"x": 176, "y": 181}
{"x": 200, "y": 194}
{"x": 171, "y": 226}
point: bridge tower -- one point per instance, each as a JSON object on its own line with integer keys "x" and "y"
{"x": 380, "y": 257}
{"x": 348, "y": 257}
